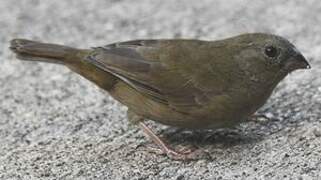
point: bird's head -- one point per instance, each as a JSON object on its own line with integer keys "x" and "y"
{"x": 268, "y": 55}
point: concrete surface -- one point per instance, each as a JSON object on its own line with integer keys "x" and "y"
{"x": 56, "y": 125}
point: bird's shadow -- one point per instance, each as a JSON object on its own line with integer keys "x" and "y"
{"x": 201, "y": 138}
{"x": 247, "y": 134}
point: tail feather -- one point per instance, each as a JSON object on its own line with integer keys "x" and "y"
{"x": 37, "y": 51}
{"x": 71, "y": 57}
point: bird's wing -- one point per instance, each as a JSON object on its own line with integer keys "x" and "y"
{"x": 165, "y": 70}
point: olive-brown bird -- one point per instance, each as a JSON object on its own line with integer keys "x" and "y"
{"x": 184, "y": 83}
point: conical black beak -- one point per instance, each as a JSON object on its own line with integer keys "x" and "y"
{"x": 296, "y": 61}
{"x": 302, "y": 63}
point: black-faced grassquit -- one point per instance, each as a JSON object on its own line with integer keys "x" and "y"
{"x": 177, "y": 82}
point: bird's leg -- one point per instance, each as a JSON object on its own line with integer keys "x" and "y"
{"x": 164, "y": 149}
{"x": 258, "y": 117}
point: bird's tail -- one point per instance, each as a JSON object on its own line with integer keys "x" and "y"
{"x": 37, "y": 51}
{"x": 71, "y": 57}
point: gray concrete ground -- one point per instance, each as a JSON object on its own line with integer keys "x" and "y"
{"x": 56, "y": 125}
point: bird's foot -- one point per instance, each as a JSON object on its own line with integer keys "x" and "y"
{"x": 183, "y": 154}
{"x": 259, "y": 118}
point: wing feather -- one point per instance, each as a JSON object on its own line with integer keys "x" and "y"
{"x": 150, "y": 75}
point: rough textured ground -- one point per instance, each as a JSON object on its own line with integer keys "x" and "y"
{"x": 56, "y": 125}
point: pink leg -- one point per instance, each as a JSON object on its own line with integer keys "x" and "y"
{"x": 163, "y": 147}
{"x": 258, "y": 118}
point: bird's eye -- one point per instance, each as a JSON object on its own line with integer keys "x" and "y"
{"x": 271, "y": 52}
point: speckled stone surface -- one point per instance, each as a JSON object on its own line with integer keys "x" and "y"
{"x": 56, "y": 125}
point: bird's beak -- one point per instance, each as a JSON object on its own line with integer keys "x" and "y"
{"x": 302, "y": 63}
{"x": 297, "y": 61}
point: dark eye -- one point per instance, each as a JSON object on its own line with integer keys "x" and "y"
{"x": 271, "y": 51}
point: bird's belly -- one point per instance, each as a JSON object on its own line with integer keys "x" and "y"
{"x": 223, "y": 111}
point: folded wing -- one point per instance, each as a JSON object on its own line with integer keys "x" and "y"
{"x": 163, "y": 70}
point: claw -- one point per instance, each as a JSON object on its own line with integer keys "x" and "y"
{"x": 258, "y": 118}
{"x": 182, "y": 155}
{"x": 172, "y": 154}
